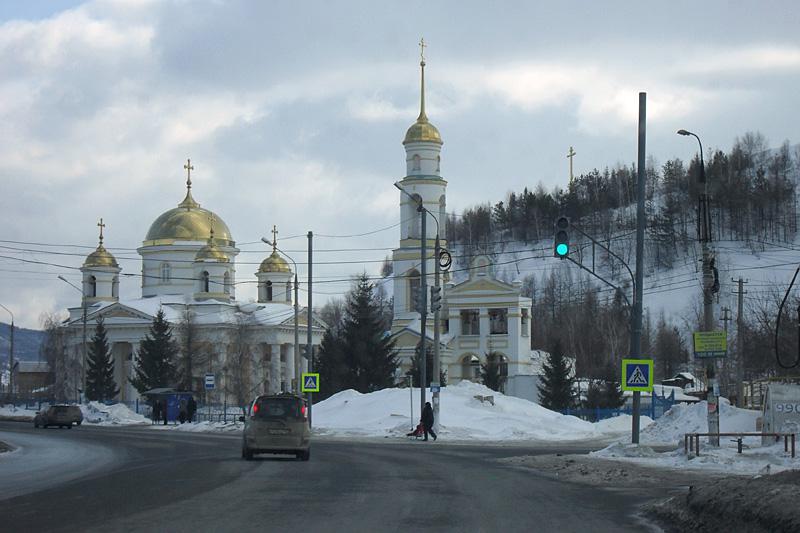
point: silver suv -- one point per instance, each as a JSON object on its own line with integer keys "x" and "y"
{"x": 277, "y": 423}
{"x": 59, "y": 415}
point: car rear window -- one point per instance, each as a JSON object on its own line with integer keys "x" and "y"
{"x": 60, "y": 409}
{"x": 277, "y": 408}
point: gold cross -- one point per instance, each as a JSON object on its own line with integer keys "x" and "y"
{"x": 570, "y": 155}
{"x": 189, "y": 167}
{"x": 422, "y": 46}
{"x": 274, "y": 237}
{"x": 101, "y": 226}
{"x": 211, "y": 224}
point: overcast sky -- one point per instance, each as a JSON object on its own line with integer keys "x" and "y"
{"x": 295, "y": 116}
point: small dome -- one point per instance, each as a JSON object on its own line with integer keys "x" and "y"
{"x": 210, "y": 253}
{"x": 188, "y": 222}
{"x": 422, "y": 131}
{"x": 274, "y": 263}
{"x": 101, "y": 258}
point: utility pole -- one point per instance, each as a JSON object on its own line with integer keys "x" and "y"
{"x": 423, "y": 305}
{"x": 309, "y": 347}
{"x": 436, "y": 327}
{"x": 636, "y": 316}
{"x": 10, "y": 356}
{"x": 740, "y": 345}
{"x": 725, "y": 380}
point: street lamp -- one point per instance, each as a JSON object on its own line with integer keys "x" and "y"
{"x": 297, "y": 373}
{"x": 423, "y": 306}
{"x": 10, "y": 357}
{"x": 704, "y": 234}
{"x": 85, "y": 355}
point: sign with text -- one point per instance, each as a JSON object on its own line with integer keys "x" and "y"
{"x": 708, "y": 344}
{"x": 637, "y": 375}
{"x": 310, "y": 382}
{"x": 210, "y": 381}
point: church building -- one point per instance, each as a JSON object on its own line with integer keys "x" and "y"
{"x": 480, "y": 315}
{"x": 189, "y": 272}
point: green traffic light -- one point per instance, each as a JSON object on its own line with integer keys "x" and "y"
{"x": 562, "y": 249}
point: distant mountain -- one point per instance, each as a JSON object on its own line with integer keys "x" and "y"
{"x": 26, "y": 343}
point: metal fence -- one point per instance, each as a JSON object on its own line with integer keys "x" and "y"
{"x": 654, "y": 408}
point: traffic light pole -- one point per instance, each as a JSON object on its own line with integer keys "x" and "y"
{"x": 436, "y": 302}
{"x": 423, "y": 306}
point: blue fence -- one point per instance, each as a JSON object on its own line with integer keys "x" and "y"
{"x": 654, "y": 408}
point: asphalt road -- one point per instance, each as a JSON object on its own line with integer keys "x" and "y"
{"x": 141, "y": 479}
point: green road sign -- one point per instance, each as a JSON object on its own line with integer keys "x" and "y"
{"x": 637, "y": 375}
{"x": 310, "y": 382}
{"x": 710, "y": 344}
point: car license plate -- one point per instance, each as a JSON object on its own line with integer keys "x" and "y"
{"x": 278, "y": 431}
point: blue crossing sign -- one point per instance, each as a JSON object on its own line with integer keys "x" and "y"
{"x": 310, "y": 382}
{"x": 637, "y": 375}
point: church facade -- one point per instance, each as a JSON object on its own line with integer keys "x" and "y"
{"x": 189, "y": 272}
{"x": 481, "y": 316}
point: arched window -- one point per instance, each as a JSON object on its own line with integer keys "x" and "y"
{"x": 166, "y": 272}
{"x": 438, "y": 163}
{"x": 92, "y": 286}
{"x": 415, "y": 217}
{"x": 227, "y": 283}
{"x": 204, "y": 281}
{"x": 416, "y": 165}
{"x": 288, "y": 291}
{"x": 269, "y": 291}
{"x": 413, "y": 289}
{"x": 115, "y": 287}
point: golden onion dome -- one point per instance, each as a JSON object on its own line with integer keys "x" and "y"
{"x": 188, "y": 222}
{"x": 210, "y": 253}
{"x": 422, "y": 131}
{"x": 274, "y": 263}
{"x": 101, "y": 258}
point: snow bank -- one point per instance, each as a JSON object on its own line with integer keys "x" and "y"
{"x": 111, "y": 415}
{"x": 201, "y": 427}
{"x": 386, "y": 413}
{"x": 682, "y": 419}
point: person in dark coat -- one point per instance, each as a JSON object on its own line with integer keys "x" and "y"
{"x": 156, "y": 412}
{"x": 191, "y": 409}
{"x": 183, "y": 410}
{"x": 427, "y": 421}
{"x": 164, "y": 411}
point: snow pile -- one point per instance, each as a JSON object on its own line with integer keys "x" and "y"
{"x": 465, "y": 414}
{"x": 621, "y": 424}
{"x": 681, "y": 419}
{"x": 117, "y": 414}
{"x": 9, "y": 412}
{"x": 619, "y": 449}
{"x": 202, "y": 427}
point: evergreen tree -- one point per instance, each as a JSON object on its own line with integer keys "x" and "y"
{"x": 329, "y": 363}
{"x": 100, "y": 384}
{"x": 359, "y": 354}
{"x": 416, "y": 364}
{"x": 491, "y": 373}
{"x": 556, "y": 390}
{"x": 155, "y": 361}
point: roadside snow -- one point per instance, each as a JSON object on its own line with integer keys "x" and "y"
{"x": 117, "y": 414}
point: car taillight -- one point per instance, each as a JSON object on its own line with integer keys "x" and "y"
{"x": 255, "y": 408}
{"x": 303, "y": 411}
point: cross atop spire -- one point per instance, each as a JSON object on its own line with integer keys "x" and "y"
{"x": 274, "y": 238}
{"x": 211, "y": 224}
{"x": 572, "y": 153}
{"x": 101, "y": 226}
{"x": 189, "y": 167}
{"x": 422, "y": 116}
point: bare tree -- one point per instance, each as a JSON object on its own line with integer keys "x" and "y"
{"x": 193, "y": 353}
{"x": 239, "y": 366}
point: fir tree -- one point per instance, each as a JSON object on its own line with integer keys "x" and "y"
{"x": 491, "y": 374}
{"x": 155, "y": 361}
{"x": 359, "y": 354}
{"x": 100, "y": 384}
{"x": 556, "y": 390}
{"x": 416, "y": 365}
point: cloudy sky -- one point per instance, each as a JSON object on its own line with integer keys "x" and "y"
{"x": 294, "y": 116}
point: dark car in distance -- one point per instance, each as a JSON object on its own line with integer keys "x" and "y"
{"x": 59, "y": 415}
{"x": 277, "y": 423}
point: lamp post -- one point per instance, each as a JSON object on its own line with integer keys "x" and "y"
{"x": 423, "y": 308}
{"x": 297, "y": 373}
{"x": 704, "y": 235}
{"x": 10, "y": 356}
{"x": 78, "y": 386}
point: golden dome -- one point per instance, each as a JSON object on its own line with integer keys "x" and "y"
{"x": 274, "y": 263}
{"x": 100, "y": 258}
{"x": 188, "y": 222}
{"x": 422, "y": 131}
{"x": 210, "y": 253}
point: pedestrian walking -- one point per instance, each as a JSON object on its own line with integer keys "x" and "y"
{"x": 427, "y": 421}
{"x": 191, "y": 408}
{"x": 164, "y": 405}
{"x": 183, "y": 410}
{"x": 155, "y": 412}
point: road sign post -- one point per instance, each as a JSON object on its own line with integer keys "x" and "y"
{"x": 637, "y": 375}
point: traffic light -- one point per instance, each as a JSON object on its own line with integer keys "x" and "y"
{"x": 561, "y": 241}
{"x": 419, "y": 300}
{"x": 436, "y": 298}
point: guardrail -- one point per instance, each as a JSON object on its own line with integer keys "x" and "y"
{"x": 691, "y": 441}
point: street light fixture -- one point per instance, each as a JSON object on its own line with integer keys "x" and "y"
{"x": 423, "y": 307}
{"x": 297, "y": 373}
{"x": 10, "y": 356}
{"x": 85, "y": 354}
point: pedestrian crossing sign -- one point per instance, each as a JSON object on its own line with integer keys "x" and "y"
{"x": 310, "y": 382}
{"x": 637, "y": 375}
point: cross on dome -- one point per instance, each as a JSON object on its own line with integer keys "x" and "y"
{"x": 101, "y": 226}
{"x": 274, "y": 237}
{"x": 189, "y": 167}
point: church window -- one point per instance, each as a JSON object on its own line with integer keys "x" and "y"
{"x": 470, "y": 322}
{"x": 226, "y": 283}
{"x": 204, "y": 281}
{"x": 415, "y": 218}
{"x": 416, "y": 162}
{"x": 498, "y": 321}
{"x": 166, "y": 272}
{"x": 438, "y": 163}
{"x": 115, "y": 287}
{"x": 413, "y": 290}
{"x": 525, "y": 322}
{"x": 269, "y": 291}
{"x": 92, "y": 286}
{"x": 288, "y": 291}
